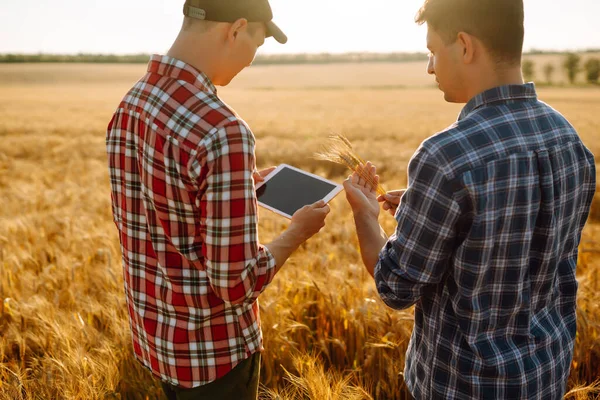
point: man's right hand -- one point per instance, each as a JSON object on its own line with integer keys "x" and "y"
{"x": 306, "y": 222}
{"x": 391, "y": 200}
{"x": 309, "y": 220}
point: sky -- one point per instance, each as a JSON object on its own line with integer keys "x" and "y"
{"x": 313, "y": 26}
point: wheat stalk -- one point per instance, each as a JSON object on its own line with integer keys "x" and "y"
{"x": 340, "y": 151}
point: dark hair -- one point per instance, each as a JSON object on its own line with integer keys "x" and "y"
{"x": 499, "y": 24}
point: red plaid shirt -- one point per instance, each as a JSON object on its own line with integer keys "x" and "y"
{"x": 183, "y": 200}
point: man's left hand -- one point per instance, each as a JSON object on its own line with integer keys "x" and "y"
{"x": 361, "y": 195}
{"x": 259, "y": 176}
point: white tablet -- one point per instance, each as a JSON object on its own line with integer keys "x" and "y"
{"x": 288, "y": 189}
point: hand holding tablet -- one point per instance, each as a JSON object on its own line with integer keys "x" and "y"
{"x": 287, "y": 189}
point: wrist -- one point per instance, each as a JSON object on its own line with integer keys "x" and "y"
{"x": 361, "y": 215}
{"x": 294, "y": 236}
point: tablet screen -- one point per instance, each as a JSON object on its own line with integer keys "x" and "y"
{"x": 290, "y": 190}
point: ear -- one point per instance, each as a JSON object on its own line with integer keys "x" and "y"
{"x": 236, "y": 27}
{"x": 466, "y": 45}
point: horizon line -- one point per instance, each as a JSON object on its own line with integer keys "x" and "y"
{"x": 81, "y": 53}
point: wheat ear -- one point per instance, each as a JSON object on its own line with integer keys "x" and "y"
{"x": 339, "y": 150}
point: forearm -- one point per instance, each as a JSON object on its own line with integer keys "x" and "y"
{"x": 371, "y": 238}
{"x": 283, "y": 247}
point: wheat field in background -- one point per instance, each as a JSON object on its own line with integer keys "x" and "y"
{"x": 63, "y": 323}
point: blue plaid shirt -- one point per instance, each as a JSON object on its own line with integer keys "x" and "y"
{"x": 486, "y": 247}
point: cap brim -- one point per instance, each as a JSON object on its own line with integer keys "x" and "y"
{"x": 277, "y": 34}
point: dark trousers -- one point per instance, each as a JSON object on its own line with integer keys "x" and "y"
{"x": 239, "y": 384}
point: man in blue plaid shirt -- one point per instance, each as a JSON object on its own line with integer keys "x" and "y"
{"x": 489, "y": 227}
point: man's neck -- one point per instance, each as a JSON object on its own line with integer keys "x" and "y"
{"x": 487, "y": 81}
{"x": 194, "y": 52}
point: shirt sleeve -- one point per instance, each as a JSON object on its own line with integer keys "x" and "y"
{"x": 418, "y": 254}
{"x": 238, "y": 267}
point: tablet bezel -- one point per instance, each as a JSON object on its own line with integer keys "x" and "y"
{"x": 334, "y": 192}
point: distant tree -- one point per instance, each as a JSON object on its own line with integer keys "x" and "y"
{"x": 572, "y": 66}
{"x": 528, "y": 68}
{"x": 592, "y": 70}
{"x": 548, "y": 72}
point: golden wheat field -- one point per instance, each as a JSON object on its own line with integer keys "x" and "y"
{"x": 63, "y": 327}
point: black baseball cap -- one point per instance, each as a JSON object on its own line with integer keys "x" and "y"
{"x": 232, "y": 10}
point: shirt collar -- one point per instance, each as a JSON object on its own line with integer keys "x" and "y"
{"x": 176, "y": 69}
{"x": 500, "y": 94}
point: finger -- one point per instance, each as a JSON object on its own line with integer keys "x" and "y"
{"x": 355, "y": 178}
{"x": 365, "y": 179}
{"x": 318, "y": 204}
{"x": 358, "y": 172}
{"x": 376, "y": 182}
{"x": 371, "y": 172}
{"x": 393, "y": 198}
{"x": 361, "y": 182}
{"x": 267, "y": 171}
{"x": 348, "y": 184}
{"x": 372, "y": 169}
{"x": 397, "y": 193}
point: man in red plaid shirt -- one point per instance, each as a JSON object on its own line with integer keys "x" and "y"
{"x": 181, "y": 166}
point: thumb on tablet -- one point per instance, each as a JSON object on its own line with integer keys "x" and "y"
{"x": 319, "y": 204}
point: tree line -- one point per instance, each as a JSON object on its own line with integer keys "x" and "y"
{"x": 322, "y": 58}
{"x": 572, "y": 66}
{"x": 572, "y": 62}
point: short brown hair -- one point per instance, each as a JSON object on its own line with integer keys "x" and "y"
{"x": 199, "y": 25}
{"x": 499, "y": 24}
{"x": 205, "y": 26}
